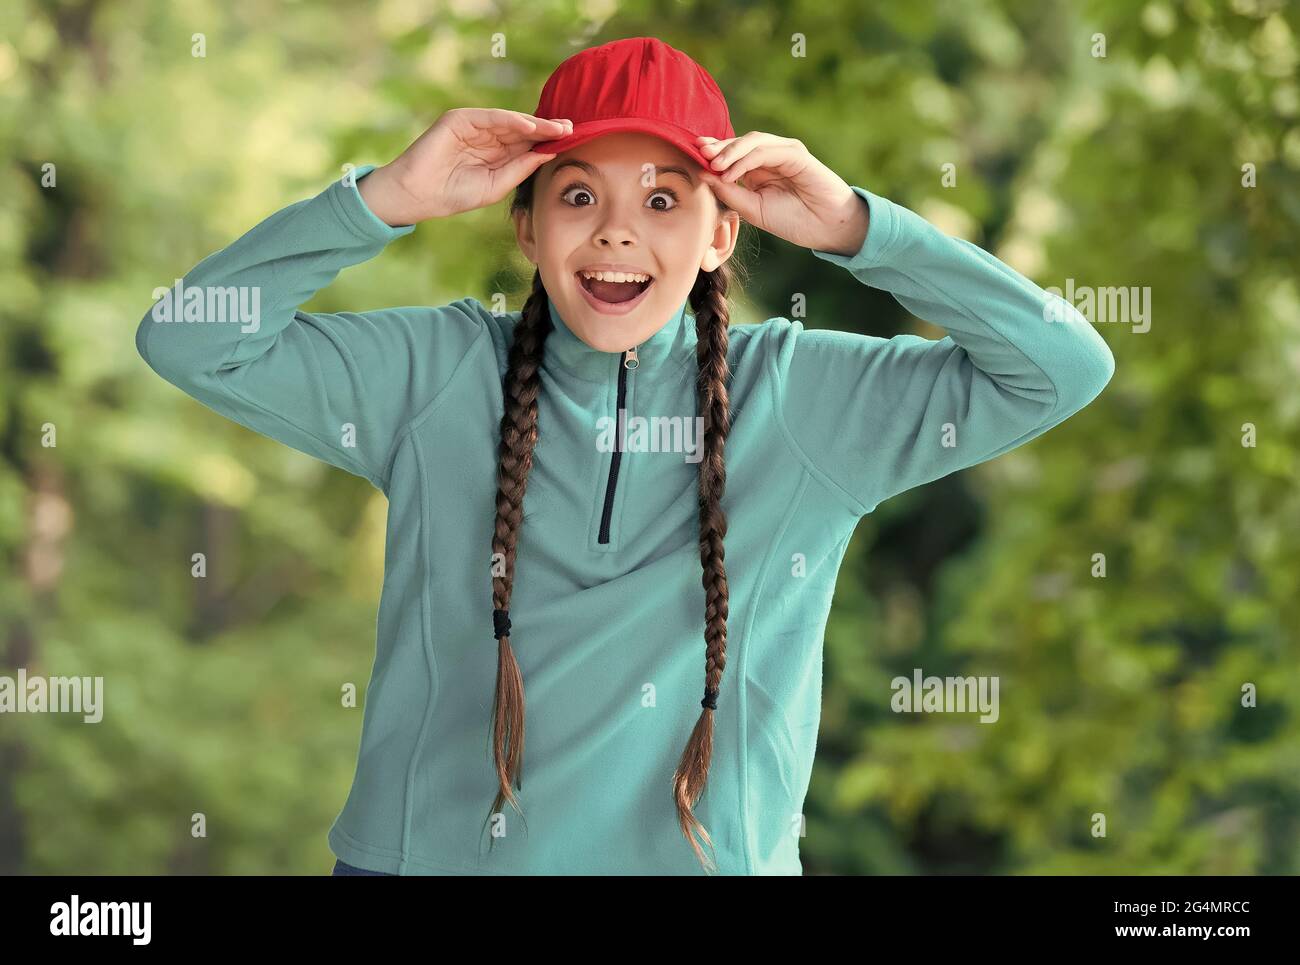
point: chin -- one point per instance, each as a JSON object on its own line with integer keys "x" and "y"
{"x": 609, "y": 335}
{"x": 614, "y": 333}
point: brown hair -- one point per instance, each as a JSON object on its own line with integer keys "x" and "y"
{"x": 522, "y": 383}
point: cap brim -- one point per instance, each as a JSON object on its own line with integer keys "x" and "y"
{"x": 588, "y": 130}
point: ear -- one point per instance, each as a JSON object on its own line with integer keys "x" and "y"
{"x": 523, "y": 219}
{"x": 723, "y": 242}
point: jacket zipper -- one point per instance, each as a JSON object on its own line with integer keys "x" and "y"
{"x": 629, "y": 362}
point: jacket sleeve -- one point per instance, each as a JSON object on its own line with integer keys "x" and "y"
{"x": 874, "y": 417}
{"x": 339, "y": 387}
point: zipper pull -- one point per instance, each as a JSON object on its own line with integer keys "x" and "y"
{"x": 630, "y": 360}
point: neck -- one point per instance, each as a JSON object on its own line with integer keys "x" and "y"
{"x": 667, "y": 348}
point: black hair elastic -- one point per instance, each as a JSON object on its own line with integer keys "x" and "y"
{"x": 500, "y": 623}
{"x": 710, "y": 699}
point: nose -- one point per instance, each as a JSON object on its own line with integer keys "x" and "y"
{"x": 614, "y": 233}
{"x": 615, "y": 239}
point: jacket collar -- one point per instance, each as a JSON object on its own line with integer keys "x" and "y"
{"x": 661, "y": 353}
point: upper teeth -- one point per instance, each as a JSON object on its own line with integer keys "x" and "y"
{"x": 614, "y": 276}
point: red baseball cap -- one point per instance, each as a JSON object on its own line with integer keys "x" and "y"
{"x": 635, "y": 84}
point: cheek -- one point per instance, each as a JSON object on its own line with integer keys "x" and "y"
{"x": 680, "y": 249}
{"x": 561, "y": 237}
{"x": 675, "y": 236}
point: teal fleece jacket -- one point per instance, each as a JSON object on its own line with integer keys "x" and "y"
{"x": 608, "y": 608}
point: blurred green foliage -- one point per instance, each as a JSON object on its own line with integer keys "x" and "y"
{"x": 1121, "y": 695}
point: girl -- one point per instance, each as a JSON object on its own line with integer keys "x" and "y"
{"x": 525, "y": 487}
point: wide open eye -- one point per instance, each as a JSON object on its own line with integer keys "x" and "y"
{"x": 669, "y": 192}
{"x": 578, "y": 190}
{"x": 581, "y": 189}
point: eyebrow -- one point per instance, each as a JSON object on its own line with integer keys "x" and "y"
{"x": 590, "y": 169}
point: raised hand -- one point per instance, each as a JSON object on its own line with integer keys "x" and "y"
{"x": 470, "y": 158}
{"x": 786, "y": 191}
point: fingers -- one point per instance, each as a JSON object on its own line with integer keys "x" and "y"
{"x": 756, "y": 158}
{"x": 725, "y": 152}
{"x": 722, "y": 153}
{"x": 543, "y": 128}
{"x": 549, "y": 128}
{"x": 512, "y": 127}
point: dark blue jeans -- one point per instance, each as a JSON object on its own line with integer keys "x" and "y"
{"x": 341, "y": 867}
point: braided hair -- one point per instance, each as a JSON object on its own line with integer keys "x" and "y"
{"x": 522, "y": 384}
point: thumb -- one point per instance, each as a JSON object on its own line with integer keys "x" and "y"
{"x": 737, "y": 197}
{"x": 519, "y": 168}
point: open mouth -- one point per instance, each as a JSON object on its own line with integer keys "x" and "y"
{"x": 613, "y": 292}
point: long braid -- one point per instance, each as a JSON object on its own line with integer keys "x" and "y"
{"x": 522, "y": 384}
{"x": 708, "y": 301}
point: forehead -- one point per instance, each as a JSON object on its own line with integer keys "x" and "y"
{"x": 623, "y": 154}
